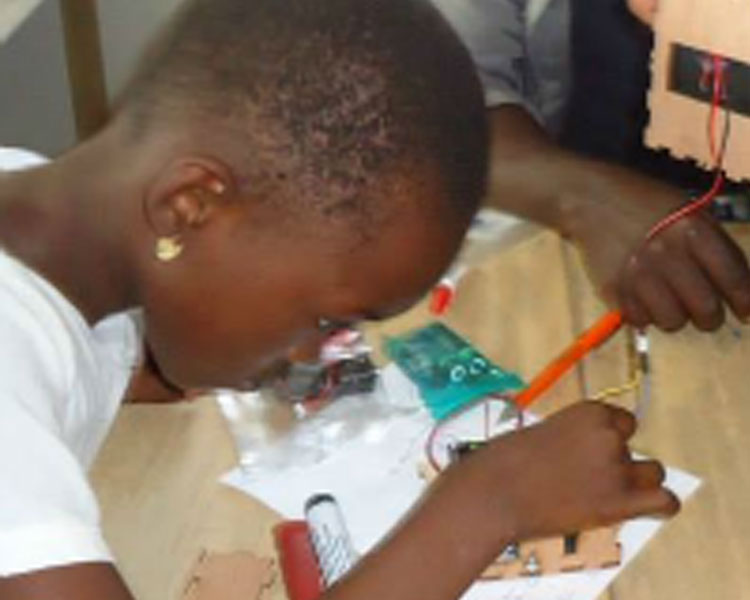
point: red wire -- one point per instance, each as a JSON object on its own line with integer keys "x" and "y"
{"x": 688, "y": 209}
{"x": 487, "y": 418}
{"x": 429, "y": 447}
{"x": 430, "y": 442}
{"x": 717, "y": 157}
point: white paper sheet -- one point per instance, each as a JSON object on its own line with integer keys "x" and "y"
{"x": 376, "y": 482}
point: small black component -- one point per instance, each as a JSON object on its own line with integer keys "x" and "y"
{"x": 732, "y": 208}
{"x": 512, "y": 552}
{"x": 691, "y": 74}
{"x": 354, "y": 376}
{"x": 304, "y": 382}
{"x": 460, "y": 450}
{"x": 571, "y": 543}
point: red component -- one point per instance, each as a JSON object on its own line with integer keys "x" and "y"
{"x": 297, "y": 560}
{"x": 442, "y": 298}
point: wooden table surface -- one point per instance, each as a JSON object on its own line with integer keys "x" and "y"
{"x": 157, "y": 474}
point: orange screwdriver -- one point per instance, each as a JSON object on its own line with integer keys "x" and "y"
{"x": 599, "y": 333}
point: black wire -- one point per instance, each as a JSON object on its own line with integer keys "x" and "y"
{"x": 727, "y": 122}
{"x": 725, "y": 137}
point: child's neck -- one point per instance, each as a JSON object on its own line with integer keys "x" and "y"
{"x": 57, "y": 220}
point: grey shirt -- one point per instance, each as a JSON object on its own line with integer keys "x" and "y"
{"x": 522, "y": 51}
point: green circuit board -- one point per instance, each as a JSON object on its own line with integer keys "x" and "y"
{"x": 449, "y": 371}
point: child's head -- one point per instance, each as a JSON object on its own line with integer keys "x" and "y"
{"x": 318, "y": 162}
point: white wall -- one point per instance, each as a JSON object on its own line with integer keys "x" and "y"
{"x": 35, "y": 110}
{"x": 12, "y": 14}
{"x": 127, "y": 26}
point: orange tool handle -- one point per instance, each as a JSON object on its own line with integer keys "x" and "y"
{"x": 600, "y": 332}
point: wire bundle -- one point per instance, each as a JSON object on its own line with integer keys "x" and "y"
{"x": 719, "y": 88}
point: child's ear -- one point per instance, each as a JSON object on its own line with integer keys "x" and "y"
{"x": 185, "y": 195}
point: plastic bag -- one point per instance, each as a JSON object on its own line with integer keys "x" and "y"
{"x": 270, "y": 436}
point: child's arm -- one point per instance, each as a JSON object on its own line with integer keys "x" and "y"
{"x": 98, "y": 581}
{"x": 570, "y": 473}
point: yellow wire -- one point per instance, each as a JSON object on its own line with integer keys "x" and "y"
{"x": 633, "y": 383}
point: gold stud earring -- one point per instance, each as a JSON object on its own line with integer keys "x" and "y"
{"x": 168, "y": 248}
{"x": 217, "y": 187}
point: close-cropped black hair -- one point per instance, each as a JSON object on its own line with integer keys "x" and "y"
{"x": 319, "y": 102}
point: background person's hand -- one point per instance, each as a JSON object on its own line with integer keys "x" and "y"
{"x": 688, "y": 272}
{"x": 570, "y": 473}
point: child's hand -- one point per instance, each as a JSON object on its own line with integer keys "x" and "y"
{"x": 570, "y": 473}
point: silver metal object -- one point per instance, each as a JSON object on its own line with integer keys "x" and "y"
{"x": 330, "y": 537}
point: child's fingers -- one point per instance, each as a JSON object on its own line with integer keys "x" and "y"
{"x": 647, "y": 474}
{"x": 657, "y": 502}
{"x": 623, "y": 421}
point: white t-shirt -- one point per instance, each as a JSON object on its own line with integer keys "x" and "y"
{"x": 61, "y": 383}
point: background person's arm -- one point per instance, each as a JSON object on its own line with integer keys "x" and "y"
{"x": 687, "y": 273}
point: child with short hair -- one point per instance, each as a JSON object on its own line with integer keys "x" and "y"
{"x": 278, "y": 169}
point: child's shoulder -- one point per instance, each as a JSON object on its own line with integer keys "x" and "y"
{"x": 37, "y": 327}
{"x": 14, "y": 159}
{"x": 37, "y": 319}
{"x": 69, "y": 375}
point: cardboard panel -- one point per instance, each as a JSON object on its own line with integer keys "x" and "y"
{"x": 679, "y": 123}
